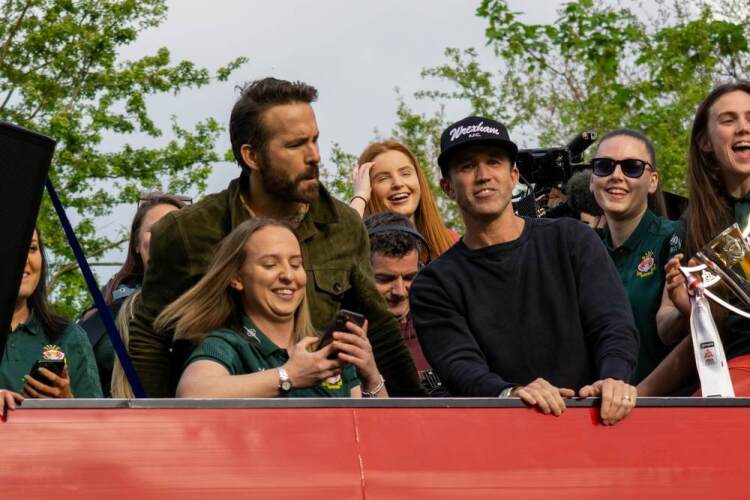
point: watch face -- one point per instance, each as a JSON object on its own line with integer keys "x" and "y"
{"x": 286, "y": 385}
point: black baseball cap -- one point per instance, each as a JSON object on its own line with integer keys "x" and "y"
{"x": 471, "y": 131}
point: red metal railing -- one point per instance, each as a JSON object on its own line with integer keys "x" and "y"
{"x": 393, "y": 449}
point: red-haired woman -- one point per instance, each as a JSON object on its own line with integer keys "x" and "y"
{"x": 387, "y": 178}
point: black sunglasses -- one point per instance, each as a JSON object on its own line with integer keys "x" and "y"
{"x": 602, "y": 167}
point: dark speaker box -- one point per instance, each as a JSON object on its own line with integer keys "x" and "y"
{"x": 25, "y": 157}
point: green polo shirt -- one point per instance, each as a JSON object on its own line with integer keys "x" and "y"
{"x": 640, "y": 262}
{"x": 25, "y": 345}
{"x": 251, "y": 352}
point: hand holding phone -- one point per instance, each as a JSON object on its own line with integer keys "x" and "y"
{"x": 56, "y": 366}
{"x": 339, "y": 325}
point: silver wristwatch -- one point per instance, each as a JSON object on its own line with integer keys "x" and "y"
{"x": 285, "y": 383}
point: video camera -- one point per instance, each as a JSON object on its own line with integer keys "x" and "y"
{"x": 545, "y": 168}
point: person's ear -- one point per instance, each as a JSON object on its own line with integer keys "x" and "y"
{"x": 236, "y": 283}
{"x": 705, "y": 143}
{"x": 654, "y": 182}
{"x": 445, "y": 185}
{"x": 515, "y": 174}
{"x": 249, "y": 156}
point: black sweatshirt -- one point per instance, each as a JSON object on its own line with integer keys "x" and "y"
{"x": 549, "y": 304}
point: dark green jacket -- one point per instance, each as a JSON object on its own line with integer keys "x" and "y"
{"x": 335, "y": 249}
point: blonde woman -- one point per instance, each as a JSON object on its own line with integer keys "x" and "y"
{"x": 249, "y": 318}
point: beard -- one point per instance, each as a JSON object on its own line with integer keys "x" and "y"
{"x": 288, "y": 188}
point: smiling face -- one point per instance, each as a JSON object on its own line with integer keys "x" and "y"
{"x": 272, "y": 279}
{"x": 393, "y": 278}
{"x": 32, "y": 271}
{"x": 729, "y": 139}
{"x": 395, "y": 183}
{"x": 481, "y": 182}
{"x": 622, "y": 197}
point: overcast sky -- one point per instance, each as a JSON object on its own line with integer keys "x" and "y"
{"x": 355, "y": 52}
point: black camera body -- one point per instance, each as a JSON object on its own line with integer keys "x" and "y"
{"x": 545, "y": 168}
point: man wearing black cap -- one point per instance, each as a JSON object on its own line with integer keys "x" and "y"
{"x": 529, "y": 308}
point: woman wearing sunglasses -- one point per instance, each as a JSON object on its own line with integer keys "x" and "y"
{"x": 719, "y": 189}
{"x": 639, "y": 238}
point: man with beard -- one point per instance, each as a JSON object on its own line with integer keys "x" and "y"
{"x": 274, "y": 138}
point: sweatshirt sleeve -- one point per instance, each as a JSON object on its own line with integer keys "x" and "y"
{"x": 606, "y": 316}
{"x": 447, "y": 341}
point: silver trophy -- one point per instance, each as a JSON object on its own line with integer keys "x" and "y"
{"x": 727, "y": 258}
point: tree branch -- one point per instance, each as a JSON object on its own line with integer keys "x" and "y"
{"x": 72, "y": 266}
{"x": 12, "y": 33}
{"x": 7, "y": 98}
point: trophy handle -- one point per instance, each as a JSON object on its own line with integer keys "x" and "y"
{"x": 708, "y": 279}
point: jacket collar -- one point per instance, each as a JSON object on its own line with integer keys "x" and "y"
{"x": 643, "y": 227}
{"x": 322, "y": 211}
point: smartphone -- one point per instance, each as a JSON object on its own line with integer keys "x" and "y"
{"x": 339, "y": 325}
{"x": 56, "y": 366}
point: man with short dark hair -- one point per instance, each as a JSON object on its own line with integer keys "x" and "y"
{"x": 274, "y": 137}
{"x": 531, "y": 308}
{"x": 396, "y": 248}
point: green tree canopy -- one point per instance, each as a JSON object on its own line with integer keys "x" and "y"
{"x": 60, "y": 75}
{"x": 603, "y": 65}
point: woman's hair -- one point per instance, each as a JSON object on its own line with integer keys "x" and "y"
{"x": 53, "y": 324}
{"x": 212, "y": 303}
{"x": 132, "y": 269}
{"x": 709, "y": 206}
{"x": 426, "y": 218}
{"x": 119, "y": 386}
{"x": 656, "y": 201}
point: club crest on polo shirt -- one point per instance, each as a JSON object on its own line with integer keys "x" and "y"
{"x": 647, "y": 265}
{"x": 473, "y": 131}
{"x": 52, "y": 353}
{"x": 335, "y": 382}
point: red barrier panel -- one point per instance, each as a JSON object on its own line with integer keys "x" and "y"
{"x": 372, "y": 452}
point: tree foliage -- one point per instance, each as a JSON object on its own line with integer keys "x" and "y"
{"x": 601, "y": 66}
{"x": 60, "y": 75}
{"x": 421, "y": 134}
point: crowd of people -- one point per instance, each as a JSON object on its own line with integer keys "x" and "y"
{"x": 274, "y": 288}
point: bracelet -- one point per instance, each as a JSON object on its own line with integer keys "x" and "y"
{"x": 360, "y": 197}
{"x": 373, "y": 394}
